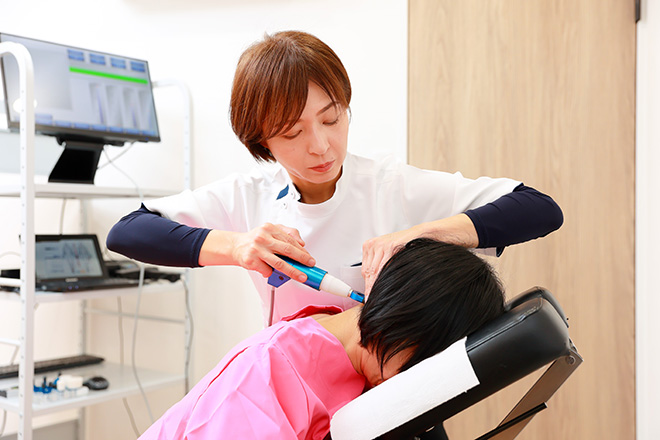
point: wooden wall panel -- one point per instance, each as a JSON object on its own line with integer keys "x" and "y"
{"x": 543, "y": 91}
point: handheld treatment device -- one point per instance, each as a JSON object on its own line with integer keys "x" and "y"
{"x": 318, "y": 279}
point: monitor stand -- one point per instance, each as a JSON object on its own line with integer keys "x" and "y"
{"x": 78, "y": 162}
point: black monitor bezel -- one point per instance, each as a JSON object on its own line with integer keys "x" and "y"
{"x": 64, "y": 134}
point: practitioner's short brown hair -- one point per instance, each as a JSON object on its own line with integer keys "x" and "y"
{"x": 270, "y": 86}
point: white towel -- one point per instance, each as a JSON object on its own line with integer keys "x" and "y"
{"x": 406, "y": 395}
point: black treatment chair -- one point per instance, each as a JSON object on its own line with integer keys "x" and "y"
{"x": 532, "y": 333}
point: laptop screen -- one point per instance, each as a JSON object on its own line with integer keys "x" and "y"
{"x": 68, "y": 256}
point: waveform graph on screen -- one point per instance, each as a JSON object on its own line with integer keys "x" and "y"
{"x": 67, "y": 259}
{"x": 99, "y": 102}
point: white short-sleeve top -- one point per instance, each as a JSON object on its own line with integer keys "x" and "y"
{"x": 372, "y": 198}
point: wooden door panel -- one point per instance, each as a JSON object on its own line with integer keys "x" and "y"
{"x": 543, "y": 91}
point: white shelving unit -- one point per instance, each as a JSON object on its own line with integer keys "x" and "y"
{"x": 51, "y": 297}
{"x": 121, "y": 377}
{"x": 74, "y": 191}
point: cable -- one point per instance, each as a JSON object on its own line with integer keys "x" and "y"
{"x": 272, "y": 305}
{"x": 134, "y": 343}
{"x": 137, "y": 187}
{"x": 4, "y": 422}
{"x": 110, "y": 161}
{"x": 186, "y": 364}
{"x": 130, "y": 416}
{"x": 136, "y": 431}
{"x": 137, "y": 310}
{"x": 121, "y": 331}
{"x": 62, "y": 216}
{"x": 4, "y": 254}
{"x": 139, "y": 296}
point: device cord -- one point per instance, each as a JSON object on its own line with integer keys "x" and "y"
{"x": 110, "y": 161}
{"x": 136, "y": 431}
{"x": 62, "y": 216}
{"x": 134, "y": 343}
{"x": 272, "y": 306}
{"x": 4, "y": 254}
{"x": 4, "y": 421}
{"x": 139, "y": 298}
{"x": 191, "y": 331}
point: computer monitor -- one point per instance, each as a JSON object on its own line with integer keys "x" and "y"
{"x": 86, "y": 99}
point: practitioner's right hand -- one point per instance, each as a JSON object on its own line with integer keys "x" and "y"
{"x": 256, "y": 249}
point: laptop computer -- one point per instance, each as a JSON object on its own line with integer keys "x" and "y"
{"x": 69, "y": 263}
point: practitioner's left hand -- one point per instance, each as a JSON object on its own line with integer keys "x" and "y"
{"x": 457, "y": 229}
{"x": 376, "y": 251}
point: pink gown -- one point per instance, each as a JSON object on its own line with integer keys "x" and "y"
{"x": 285, "y": 382}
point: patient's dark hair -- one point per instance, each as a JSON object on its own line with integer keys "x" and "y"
{"x": 428, "y": 295}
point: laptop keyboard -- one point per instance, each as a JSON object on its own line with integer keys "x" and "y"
{"x": 58, "y": 364}
{"x": 107, "y": 283}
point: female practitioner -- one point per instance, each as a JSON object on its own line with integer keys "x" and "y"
{"x": 317, "y": 203}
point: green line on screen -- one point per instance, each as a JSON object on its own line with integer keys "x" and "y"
{"x": 107, "y": 75}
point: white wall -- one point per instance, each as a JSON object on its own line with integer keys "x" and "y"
{"x": 199, "y": 41}
{"x": 648, "y": 211}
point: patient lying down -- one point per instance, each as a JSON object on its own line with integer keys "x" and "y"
{"x": 288, "y": 380}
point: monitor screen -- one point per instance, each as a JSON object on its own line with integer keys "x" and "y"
{"x": 82, "y": 92}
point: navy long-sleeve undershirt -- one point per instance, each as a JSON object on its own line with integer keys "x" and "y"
{"x": 519, "y": 216}
{"x": 146, "y": 236}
